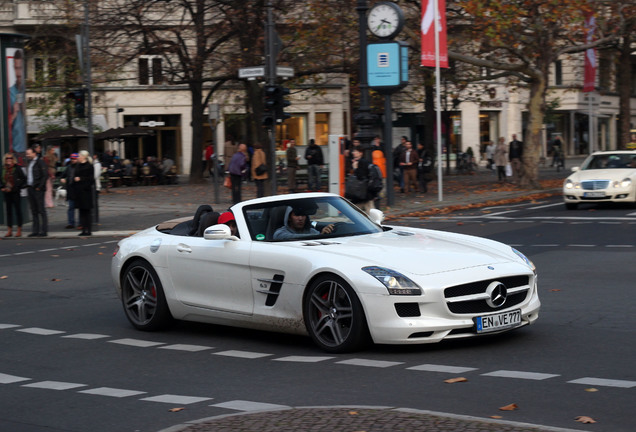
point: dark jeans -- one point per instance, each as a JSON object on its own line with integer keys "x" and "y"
{"x": 313, "y": 177}
{"x": 38, "y": 212}
{"x": 85, "y": 220}
{"x": 260, "y": 188}
{"x": 12, "y": 199}
{"x": 70, "y": 213}
{"x": 501, "y": 172}
{"x": 236, "y": 188}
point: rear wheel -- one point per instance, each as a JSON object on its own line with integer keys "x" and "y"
{"x": 334, "y": 316}
{"x": 143, "y": 298}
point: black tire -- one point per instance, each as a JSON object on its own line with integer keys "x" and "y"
{"x": 334, "y": 316}
{"x": 143, "y": 298}
{"x": 571, "y": 206}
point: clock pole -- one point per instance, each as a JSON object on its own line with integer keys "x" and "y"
{"x": 364, "y": 119}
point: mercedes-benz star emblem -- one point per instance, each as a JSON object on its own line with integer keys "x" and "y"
{"x": 497, "y": 294}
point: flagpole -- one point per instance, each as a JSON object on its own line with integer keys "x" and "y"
{"x": 438, "y": 101}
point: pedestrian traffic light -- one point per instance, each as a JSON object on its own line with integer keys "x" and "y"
{"x": 269, "y": 112}
{"x": 79, "y": 102}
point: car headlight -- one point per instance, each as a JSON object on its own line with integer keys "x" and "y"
{"x": 625, "y": 183}
{"x": 395, "y": 282}
{"x": 525, "y": 259}
{"x": 569, "y": 184}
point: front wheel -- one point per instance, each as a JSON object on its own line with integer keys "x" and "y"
{"x": 571, "y": 206}
{"x": 143, "y": 298}
{"x": 334, "y": 316}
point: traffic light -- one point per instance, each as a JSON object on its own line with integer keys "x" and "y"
{"x": 269, "y": 113}
{"x": 281, "y": 104}
{"x": 79, "y": 102}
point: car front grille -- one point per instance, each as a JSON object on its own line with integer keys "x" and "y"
{"x": 473, "y": 298}
{"x": 594, "y": 184}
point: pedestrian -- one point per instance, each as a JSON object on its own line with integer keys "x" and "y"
{"x": 97, "y": 168}
{"x": 37, "y": 175}
{"x": 238, "y": 168}
{"x": 500, "y": 159}
{"x": 557, "y": 152}
{"x": 360, "y": 170}
{"x": 84, "y": 187}
{"x": 315, "y": 161}
{"x": 408, "y": 163}
{"x": 490, "y": 155}
{"x": 378, "y": 158}
{"x": 67, "y": 181}
{"x": 208, "y": 159}
{"x": 515, "y": 155}
{"x": 397, "y": 157}
{"x": 424, "y": 167}
{"x": 259, "y": 169}
{"x": 51, "y": 159}
{"x": 11, "y": 182}
{"x": 292, "y": 165}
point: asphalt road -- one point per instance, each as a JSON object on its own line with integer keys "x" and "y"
{"x": 69, "y": 360}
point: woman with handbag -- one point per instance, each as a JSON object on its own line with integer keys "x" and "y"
{"x": 259, "y": 169}
{"x": 237, "y": 168}
{"x": 12, "y": 181}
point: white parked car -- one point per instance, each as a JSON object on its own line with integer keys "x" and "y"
{"x": 316, "y": 264}
{"x": 608, "y": 176}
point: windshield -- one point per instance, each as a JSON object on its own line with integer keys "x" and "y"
{"x": 609, "y": 161}
{"x": 306, "y": 218}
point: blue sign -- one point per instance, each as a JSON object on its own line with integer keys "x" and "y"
{"x": 387, "y": 66}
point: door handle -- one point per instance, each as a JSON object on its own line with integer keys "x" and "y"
{"x": 183, "y": 248}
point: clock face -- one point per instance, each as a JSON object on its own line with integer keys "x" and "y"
{"x": 385, "y": 20}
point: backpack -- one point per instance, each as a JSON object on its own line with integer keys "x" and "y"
{"x": 375, "y": 179}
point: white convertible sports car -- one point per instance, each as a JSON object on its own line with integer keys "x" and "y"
{"x": 315, "y": 264}
{"x": 608, "y": 176}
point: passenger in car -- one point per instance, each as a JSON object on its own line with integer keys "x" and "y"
{"x": 227, "y": 218}
{"x": 297, "y": 225}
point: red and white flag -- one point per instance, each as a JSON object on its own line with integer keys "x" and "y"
{"x": 428, "y": 33}
{"x": 589, "y": 79}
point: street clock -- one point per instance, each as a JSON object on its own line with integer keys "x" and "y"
{"x": 385, "y": 20}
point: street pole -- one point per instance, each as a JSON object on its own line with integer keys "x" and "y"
{"x": 89, "y": 97}
{"x": 270, "y": 75}
{"x": 364, "y": 119}
{"x": 388, "y": 149}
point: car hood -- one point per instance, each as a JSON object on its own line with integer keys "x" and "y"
{"x": 603, "y": 174}
{"x": 415, "y": 251}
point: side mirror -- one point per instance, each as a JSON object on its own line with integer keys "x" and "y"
{"x": 218, "y": 232}
{"x": 575, "y": 169}
{"x": 376, "y": 216}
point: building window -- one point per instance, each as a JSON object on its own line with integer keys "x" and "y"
{"x": 150, "y": 70}
{"x": 322, "y": 128}
{"x": 39, "y": 70}
{"x": 558, "y": 72}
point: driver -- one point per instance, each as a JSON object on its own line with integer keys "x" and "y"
{"x": 297, "y": 225}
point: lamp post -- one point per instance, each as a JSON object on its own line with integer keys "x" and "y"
{"x": 364, "y": 119}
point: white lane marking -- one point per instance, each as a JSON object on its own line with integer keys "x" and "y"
{"x": 91, "y": 244}
{"x": 54, "y": 385}
{"x": 86, "y": 336}
{"x": 604, "y": 382}
{"x": 186, "y": 347}
{"x": 441, "y": 368}
{"x": 10, "y": 379}
{"x": 48, "y": 250}
{"x": 112, "y": 392}
{"x": 175, "y": 399}
{"x": 619, "y": 246}
{"x": 581, "y": 245}
{"x": 520, "y": 375}
{"x": 23, "y": 253}
{"x": 545, "y": 245}
{"x": 242, "y": 354}
{"x": 242, "y": 405}
{"x": 369, "y": 363}
{"x": 8, "y": 326}
{"x": 303, "y": 359}
{"x": 40, "y": 331}
{"x": 545, "y": 206}
{"x": 136, "y": 343}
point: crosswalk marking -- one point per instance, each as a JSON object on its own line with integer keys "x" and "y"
{"x": 369, "y": 363}
{"x": 176, "y": 399}
{"x": 54, "y": 385}
{"x": 242, "y": 405}
{"x": 8, "y": 326}
{"x": 520, "y": 375}
{"x": 604, "y": 382}
{"x": 441, "y": 368}
{"x": 186, "y": 347}
{"x": 303, "y": 359}
{"x": 136, "y": 342}
{"x": 86, "y": 336}
{"x": 112, "y": 392}
{"x": 40, "y": 331}
{"x": 242, "y": 354}
{"x": 10, "y": 379}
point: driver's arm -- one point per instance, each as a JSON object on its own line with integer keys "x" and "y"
{"x": 328, "y": 229}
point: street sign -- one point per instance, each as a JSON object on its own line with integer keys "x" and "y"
{"x": 252, "y": 72}
{"x": 152, "y": 123}
{"x": 284, "y": 72}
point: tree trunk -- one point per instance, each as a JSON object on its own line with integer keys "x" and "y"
{"x": 532, "y": 144}
{"x": 624, "y": 91}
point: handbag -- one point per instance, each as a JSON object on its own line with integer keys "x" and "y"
{"x": 227, "y": 182}
{"x": 356, "y": 190}
{"x": 508, "y": 170}
{"x": 261, "y": 169}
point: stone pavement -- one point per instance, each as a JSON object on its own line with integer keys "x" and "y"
{"x": 126, "y": 210}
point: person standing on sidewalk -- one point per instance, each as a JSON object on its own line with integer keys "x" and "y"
{"x": 408, "y": 163}
{"x": 490, "y": 155}
{"x": 292, "y": 165}
{"x": 67, "y": 180}
{"x": 11, "y": 182}
{"x": 237, "y": 168}
{"x": 84, "y": 186}
{"x": 515, "y": 155}
{"x": 360, "y": 167}
{"x": 37, "y": 174}
{"x": 259, "y": 169}
{"x": 315, "y": 161}
{"x": 397, "y": 157}
{"x": 500, "y": 159}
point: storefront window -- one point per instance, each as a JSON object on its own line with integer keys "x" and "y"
{"x": 293, "y": 128}
{"x": 322, "y": 128}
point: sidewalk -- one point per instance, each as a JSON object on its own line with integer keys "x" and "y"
{"x": 126, "y": 210}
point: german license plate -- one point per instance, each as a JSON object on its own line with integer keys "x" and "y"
{"x": 500, "y": 321}
{"x": 593, "y": 194}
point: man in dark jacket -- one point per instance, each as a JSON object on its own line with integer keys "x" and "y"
{"x": 37, "y": 174}
{"x": 313, "y": 154}
{"x": 67, "y": 180}
{"x": 515, "y": 155}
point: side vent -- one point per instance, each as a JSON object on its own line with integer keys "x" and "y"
{"x": 275, "y": 284}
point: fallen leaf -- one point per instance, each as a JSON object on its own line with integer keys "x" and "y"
{"x": 3, "y": 277}
{"x": 591, "y": 390}
{"x": 510, "y": 407}
{"x": 100, "y": 253}
{"x": 585, "y": 419}
{"x": 455, "y": 380}
{"x": 555, "y": 290}
{"x": 496, "y": 417}
{"x": 55, "y": 256}
{"x": 55, "y": 280}
{"x": 176, "y": 409}
{"x": 353, "y": 412}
